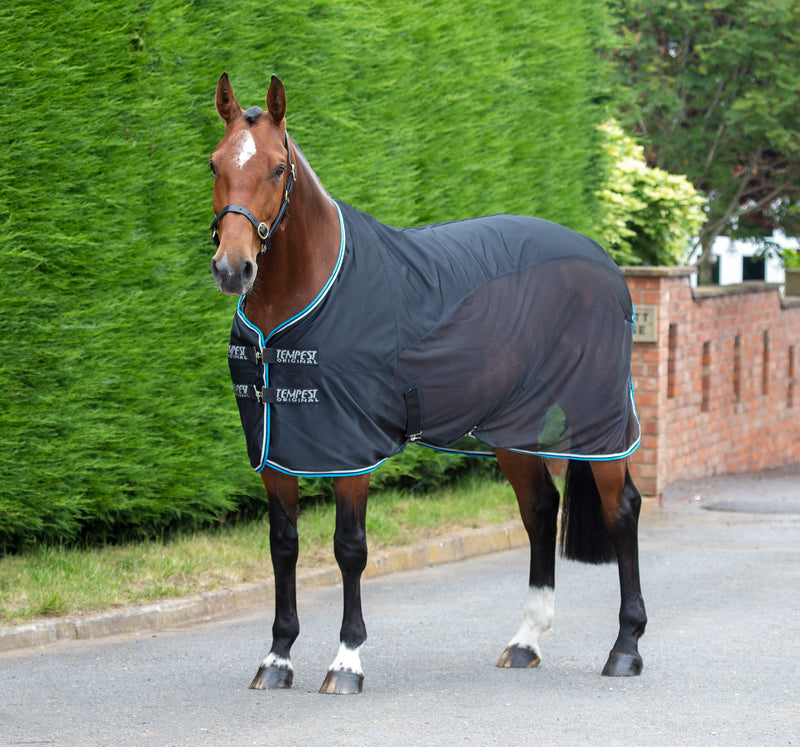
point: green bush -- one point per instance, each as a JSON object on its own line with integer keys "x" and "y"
{"x": 117, "y": 417}
{"x": 649, "y": 215}
{"x": 790, "y": 258}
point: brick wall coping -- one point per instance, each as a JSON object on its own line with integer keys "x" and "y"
{"x": 659, "y": 272}
{"x": 735, "y": 289}
{"x": 702, "y": 292}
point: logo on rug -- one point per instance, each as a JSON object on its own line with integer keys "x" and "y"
{"x": 297, "y": 396}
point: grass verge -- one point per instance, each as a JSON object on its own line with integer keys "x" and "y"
{"x": 57, "y": 581}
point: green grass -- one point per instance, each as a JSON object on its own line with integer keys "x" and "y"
{"x": 55, "y": 581}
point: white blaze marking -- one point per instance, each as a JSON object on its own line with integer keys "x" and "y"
{"x": 537, "y": 618}
{"x": 347, "y": 660}
{"x": 246, "y": 148}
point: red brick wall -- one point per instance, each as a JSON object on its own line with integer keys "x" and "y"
{"x": 718, "y": 391}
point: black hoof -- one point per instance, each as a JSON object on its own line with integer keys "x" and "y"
{"x": 517, "y": 657}
{"x": 622, "y": 665}
{"x": 272, "y": 678}
{"x": 342, "y": 683}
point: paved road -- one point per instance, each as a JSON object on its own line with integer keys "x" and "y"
{"x": 721, "y": 653}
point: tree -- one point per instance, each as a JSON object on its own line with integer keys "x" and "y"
{"x": 714, "y": 90}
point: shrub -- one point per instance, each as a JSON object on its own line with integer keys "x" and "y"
{"x": 649, "y": 215}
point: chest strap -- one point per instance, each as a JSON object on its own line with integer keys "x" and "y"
{"x": 273, "y": 356}
{"x": 276, "y": 395}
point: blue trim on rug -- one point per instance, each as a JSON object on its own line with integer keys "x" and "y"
{"x": 289, "y": 322}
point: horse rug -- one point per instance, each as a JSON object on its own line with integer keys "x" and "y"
{"x": 512, "y": 330}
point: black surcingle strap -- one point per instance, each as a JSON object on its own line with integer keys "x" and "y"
{"x": 413, "y": 413}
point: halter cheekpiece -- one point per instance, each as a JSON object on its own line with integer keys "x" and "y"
{"x": 263, "y": 230}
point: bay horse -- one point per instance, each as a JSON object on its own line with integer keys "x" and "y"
{"x": 344, "y": 323}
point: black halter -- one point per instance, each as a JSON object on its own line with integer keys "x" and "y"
{"x": 262, "y": 229}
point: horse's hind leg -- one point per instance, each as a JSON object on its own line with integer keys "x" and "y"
{"x": 345, "y": 675}
{"x": 276, "y": 670}
{"x": 621, "y": 502}
{"x": 537, "y": 497}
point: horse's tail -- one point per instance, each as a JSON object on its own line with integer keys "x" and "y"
{"x": 583, "y": 534}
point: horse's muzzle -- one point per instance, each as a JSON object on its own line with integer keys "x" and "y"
{"x": 233, "y": 281}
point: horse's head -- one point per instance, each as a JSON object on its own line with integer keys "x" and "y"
{"x": 253, "y": 175}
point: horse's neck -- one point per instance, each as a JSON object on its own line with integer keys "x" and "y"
{"x": 302, "y": 256}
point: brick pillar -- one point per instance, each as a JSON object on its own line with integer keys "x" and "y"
{"x": 652, "y": 289}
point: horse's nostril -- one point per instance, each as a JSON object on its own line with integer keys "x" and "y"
{"x": 247, "y": 271}
{"x": 214, "y": 270}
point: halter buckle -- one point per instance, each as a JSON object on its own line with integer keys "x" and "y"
{"x": 263, "y": 231}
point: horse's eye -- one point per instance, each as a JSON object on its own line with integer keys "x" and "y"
{"x": 211, "y": 166}
{"x": 279, "y": 172}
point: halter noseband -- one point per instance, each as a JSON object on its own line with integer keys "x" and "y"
{"x": 262, "y": 229}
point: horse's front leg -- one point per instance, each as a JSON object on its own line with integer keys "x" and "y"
{"x": 276, "y": 670}
{"x": 345, "y": 675}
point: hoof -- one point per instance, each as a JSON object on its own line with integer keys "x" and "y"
{"x": 622, "y": 665}
{"x": 517, "y": 657}
{"x": 272, "y": 678}
{"x": 342, "y": 683}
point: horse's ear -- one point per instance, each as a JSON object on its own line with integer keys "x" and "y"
{"x": 227, "y": 105}
{"x": 276, "y": 100}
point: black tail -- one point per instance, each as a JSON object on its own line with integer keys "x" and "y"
{"x": 583, "y": 533}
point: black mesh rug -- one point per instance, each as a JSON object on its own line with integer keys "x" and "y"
{"x": 513, "y": 330}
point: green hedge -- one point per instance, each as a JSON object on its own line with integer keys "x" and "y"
{"x": 117, "y": 418}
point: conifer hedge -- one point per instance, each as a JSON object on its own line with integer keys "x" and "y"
{"x": 117, "y": 417}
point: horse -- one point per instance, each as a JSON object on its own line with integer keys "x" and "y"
{"x": 281, "y": 248}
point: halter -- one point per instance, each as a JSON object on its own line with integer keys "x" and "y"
{"x": 262, "y": 229}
